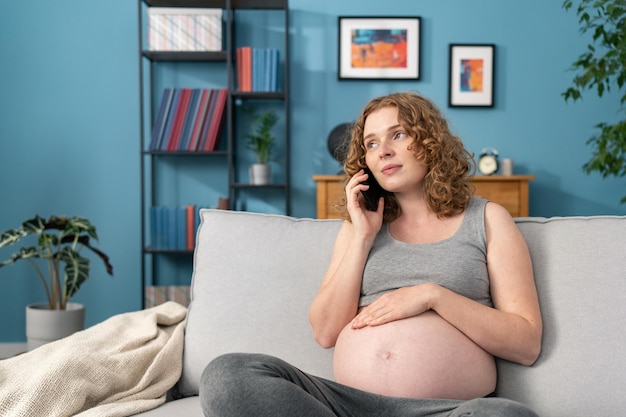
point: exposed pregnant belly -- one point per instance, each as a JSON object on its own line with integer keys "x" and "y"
{"x": 419, "y": 357}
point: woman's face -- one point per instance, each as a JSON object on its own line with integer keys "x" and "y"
{"x": 389, "y": 152}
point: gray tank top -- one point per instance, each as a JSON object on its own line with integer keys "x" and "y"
{"x": 458, "y": 263}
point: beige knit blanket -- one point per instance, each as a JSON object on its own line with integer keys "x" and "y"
{"x": 122, "y": 366}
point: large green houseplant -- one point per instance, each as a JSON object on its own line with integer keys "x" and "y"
{"x": 602, "y": 67}
{"x": 60, "y": 240}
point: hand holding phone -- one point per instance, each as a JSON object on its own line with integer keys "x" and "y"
{"x": 372, "y": 194}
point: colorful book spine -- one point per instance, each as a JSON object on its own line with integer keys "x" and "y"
{"x": 256, "y": 62}
{"x": 244, "y": 68}
{"x": 180, "y": 231}
{"x": 156, "y": 295}
{"x": 274, "y": 70}
{"x": 181, "y": 112}
{"x": 190, "y": 119}
{"x": 216, "y": 121}
{"x": 239, "y": 66}
{"x": 173, "y": 228}
{"x": 206, "y": 125}
{"x": 190, "y": 223}
{"x": 257, "y": 69}
{"x": 197, "y": 128}
{"x": 161, "y": 118}
{"x": 169, "y": 124}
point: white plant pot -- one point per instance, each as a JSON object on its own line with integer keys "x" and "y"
{"x": 259, "y": 174}
{"x": 44, "y": 325}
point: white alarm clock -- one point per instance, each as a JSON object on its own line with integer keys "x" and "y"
{"x": 488, "y": 161}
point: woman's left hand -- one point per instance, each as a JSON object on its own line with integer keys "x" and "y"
{"x": 395, "y": 305}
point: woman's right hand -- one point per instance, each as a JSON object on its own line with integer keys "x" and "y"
{"x": 337, "y": 300}
{"x": 365, "y": 222}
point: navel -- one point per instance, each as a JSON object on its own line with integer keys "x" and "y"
{"x": 386, "y": 355}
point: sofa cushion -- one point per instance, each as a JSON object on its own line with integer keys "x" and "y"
{"x": 580, "y": 271}
{"x": 242, "y": 259}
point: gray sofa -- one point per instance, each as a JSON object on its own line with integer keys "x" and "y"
{"x": 255, "y": 276}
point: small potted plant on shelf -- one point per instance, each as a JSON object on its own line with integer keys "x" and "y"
{"x": 260, "y": 143}
{"x": 60, "y": 240}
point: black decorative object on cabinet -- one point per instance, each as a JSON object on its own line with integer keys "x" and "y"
{"x": 218, "y": 172}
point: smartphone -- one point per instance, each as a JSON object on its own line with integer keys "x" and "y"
{"x": 372, "y": 194}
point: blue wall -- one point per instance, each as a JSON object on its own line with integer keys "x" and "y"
{"x": 69, "y": 118}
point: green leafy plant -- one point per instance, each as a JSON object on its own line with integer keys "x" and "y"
{"x": 59, "y": 241}
{"x": 261, "y": 141}
{"x": 602, "y": 67}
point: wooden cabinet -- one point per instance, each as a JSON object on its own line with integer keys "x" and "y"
{"x": 329, "y": 191}
{"x": 509, "y": 191}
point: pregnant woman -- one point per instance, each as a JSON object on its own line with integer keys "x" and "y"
{"x": 420, "y": 296}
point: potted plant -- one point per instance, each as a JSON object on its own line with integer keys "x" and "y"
{"x": 260, "y": 142}
{"x": 60, "y": 240}
{"x": 602, "y": 67}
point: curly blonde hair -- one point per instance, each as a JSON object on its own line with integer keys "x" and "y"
{"x": 447, "y": 184}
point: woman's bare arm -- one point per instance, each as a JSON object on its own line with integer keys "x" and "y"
{"x": 337, "y": 300}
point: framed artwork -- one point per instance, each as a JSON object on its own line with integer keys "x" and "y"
{"x": 471, "y": 75}
{"x": 379, "y": 48}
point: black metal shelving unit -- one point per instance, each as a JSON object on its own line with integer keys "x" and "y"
{"x": 227, "y": 57}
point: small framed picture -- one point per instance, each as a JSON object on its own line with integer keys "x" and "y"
{"x": 471, "y": 75}
{"x": 379, "y": 48}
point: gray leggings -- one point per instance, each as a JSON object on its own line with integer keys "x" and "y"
{"x": 242, "y": 384}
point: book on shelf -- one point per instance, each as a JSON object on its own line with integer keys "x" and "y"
{"x": 203, "y": 105}
{"x": 170, "y": 116}
{"x": 239, "y": 68}
{"x": 190, "y": 226}
{"x": 181, "y": 112}
{"x": 189, "y": 120}
{"x": 209, "y": 139}
{"x": 161, "y": 118}
{"x": 215, "y": 125}
{"x": 257, "y": 69}
{"x": 274, "y": 70}
{"x": 256, "y": 63}
{"x": 174, "y": 227}
{"x": 184, "y": 29}
{"x": 204, "y": 132}
{"x": 158, "y": 294}
{"x": 243, "y": 58}
{"x": 190, "y": 117}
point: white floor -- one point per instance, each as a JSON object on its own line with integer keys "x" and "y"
{"x": 8, "y": 350}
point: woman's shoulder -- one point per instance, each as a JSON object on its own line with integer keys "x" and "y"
{"x": 480, "y": 205}
{"x": 498, "y": 221}
{"x": 496, "y": 211}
